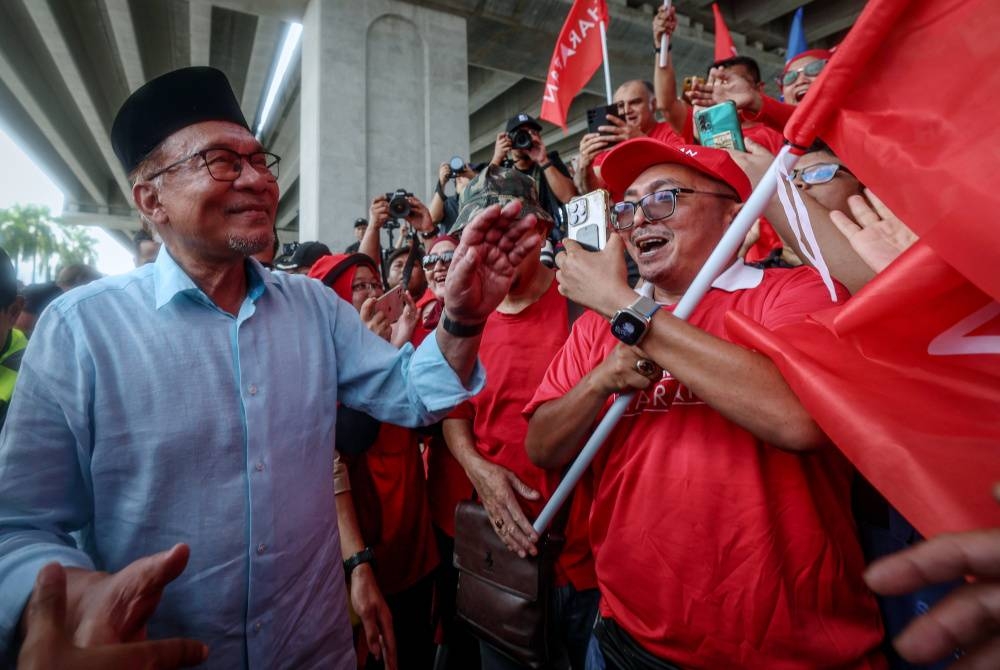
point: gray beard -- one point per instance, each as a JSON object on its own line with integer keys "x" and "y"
{"x": 251, "y": 245}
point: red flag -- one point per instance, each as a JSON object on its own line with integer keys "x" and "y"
{"x": 576, "y": 57}
{"x": 917, "y": 127}
{"x": 905, "y": 379}
{"x": 724, "y": 47}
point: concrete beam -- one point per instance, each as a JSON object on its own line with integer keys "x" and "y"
{"x": 119, "y": 14}
{"x": 487, "y": 85}
{"x": 73, "y": 78}
{"x": 200, "y": 31}
{"x": 760, "y": 12}
{"x": 260, "y": 66}
{"x": 831, "y": 18}
{"x": 36, "y": 111}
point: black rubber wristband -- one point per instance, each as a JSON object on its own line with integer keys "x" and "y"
{"x": 461, "y": 329}
{"x": 366, "y": 555}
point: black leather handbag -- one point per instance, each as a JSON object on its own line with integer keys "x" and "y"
{"x": 502, "y": 597}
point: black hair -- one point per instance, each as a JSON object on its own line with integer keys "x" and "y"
{"x": 749, "y": 63}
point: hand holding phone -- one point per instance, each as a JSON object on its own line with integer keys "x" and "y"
{"x": 719, "y": 127}
{"x": 391, "y": 304}
{"x": 587, "y": 219}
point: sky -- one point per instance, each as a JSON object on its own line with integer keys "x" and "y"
{"x": 22, "y": 182}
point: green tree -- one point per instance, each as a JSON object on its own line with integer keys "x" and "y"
{"x": 30, "y": 233}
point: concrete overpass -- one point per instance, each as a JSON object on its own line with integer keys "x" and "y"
{"x": 378, "y": 93}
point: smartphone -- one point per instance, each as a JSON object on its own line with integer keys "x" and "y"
{"x": 718, "y": 126}
{"x": 691, "y": 82}
{"x": 598, "y": 116}
{"x": 587, "y": 219}
{"x": 391, "y": 303}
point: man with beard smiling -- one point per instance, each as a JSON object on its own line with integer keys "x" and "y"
{"x": 721, "y": 523}
{"x": 152, "y": 415}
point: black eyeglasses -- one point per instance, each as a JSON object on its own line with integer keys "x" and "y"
{"x": 430, "y": 260}
{"x": 820, "y": 173}
{"x": 227, "y": 165}
{"x": 810, "y": 70}
{"x": 655, "y": 206}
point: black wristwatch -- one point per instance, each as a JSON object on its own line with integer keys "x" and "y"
{"x": 630, "y": 324}
{"x": 461, "y": 329}
{"x": 366, "y": 555}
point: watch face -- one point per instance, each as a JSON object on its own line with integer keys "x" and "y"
{"x": 627, "y": 327}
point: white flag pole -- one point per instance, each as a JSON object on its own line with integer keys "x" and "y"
{"x": 713, "y": 267}
{"x": 664, "y": 41}
{"x": 607, "y": 69}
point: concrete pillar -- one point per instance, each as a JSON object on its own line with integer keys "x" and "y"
{"x": 384, "y": 102}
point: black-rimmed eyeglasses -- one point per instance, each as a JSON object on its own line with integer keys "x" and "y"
{"x": 227, "y": 165}
{"x": 655, "y": 206}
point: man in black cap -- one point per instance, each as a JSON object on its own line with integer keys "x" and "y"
{"x": 522, "y": 147}
{"x": 360, "y": 226}
{"x": 206, "y": 471}
{"x": 302, "y": 258}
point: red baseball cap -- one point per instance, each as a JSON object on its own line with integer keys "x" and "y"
{"x": 631, "y": 158}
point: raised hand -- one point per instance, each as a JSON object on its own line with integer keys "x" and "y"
{"x": 48, "y": 643}
{"x": 501, "y": 148}
{"x": 726, "y": 86}
{"x": 374, "y": 319}
{"x": 492, "y": 246}
{"x": 664, "y": 22}
{"x": 378, "y": 211}
{"x": 619, "y": 130}
{"x": 875, "y": 233}
{"x": 403, "y": 329}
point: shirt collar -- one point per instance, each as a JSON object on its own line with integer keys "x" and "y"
{"x": 739, "y": 277}
{"x": 170, "y": 280}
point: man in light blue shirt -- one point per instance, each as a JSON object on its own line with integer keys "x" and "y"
{"x": 153, "y": 412}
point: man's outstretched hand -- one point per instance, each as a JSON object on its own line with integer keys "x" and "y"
{"x": 48, "y": 643}
{"x": 482, "y": 269}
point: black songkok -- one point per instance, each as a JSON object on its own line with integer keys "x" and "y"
{"x": 172, "y": 101}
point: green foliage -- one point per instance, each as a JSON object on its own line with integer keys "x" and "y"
{"x": 30, "y": 233}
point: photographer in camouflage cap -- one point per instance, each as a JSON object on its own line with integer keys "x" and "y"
{"x": 486, "y": 435}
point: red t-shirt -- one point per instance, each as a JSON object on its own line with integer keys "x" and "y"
{"x": 713, "y": 549}
{"x": 515, "y": 351}
{"x": 407, "y": 549}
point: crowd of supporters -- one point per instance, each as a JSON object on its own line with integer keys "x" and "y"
{"x": 458, "y": 350}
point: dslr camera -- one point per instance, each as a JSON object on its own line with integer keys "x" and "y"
{"x": 520, "y": 138}
{"x": 456, "y": 166}
{"x": 399, "y": 206}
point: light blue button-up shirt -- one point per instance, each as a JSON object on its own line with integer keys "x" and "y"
{"x": 145, "y": 416}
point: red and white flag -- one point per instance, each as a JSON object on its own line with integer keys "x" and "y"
{"x": 575, "y": 59}
{"x": 905, "y": 377}
{"x": 724, "y": 47}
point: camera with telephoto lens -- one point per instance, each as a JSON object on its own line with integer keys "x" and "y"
{"x": 520, "y": 138}
{"x": 399, "y": 206}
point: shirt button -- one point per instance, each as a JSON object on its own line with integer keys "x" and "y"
{"x": 260, "y": 466}
{"x": 252, "y": 389}
{"x": 257, "y": 626}
{"x": 261, "y": 548}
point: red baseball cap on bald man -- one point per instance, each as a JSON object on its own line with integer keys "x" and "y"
{"x": 631, "y": 158}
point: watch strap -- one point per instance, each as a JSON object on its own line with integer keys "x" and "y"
{"x": 461, "y": 329}
{"x": 366, "y": 555}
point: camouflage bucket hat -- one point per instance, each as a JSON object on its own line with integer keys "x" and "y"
{"x": 498, "y": 185}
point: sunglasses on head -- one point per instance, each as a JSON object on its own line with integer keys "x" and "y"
{"x": 820, "y": 173}
{"x": 430, "y": 260}
{"x": 810, "y": 70}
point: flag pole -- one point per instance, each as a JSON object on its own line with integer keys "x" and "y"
{"x": 713, "y": 267}
{"x": 607, "y": 70}
{"x": 664, "y": 41}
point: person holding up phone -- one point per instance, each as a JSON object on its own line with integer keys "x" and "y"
{"x": 636, "y": 118}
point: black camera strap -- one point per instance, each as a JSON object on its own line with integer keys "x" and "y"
{"x": 411, "y": 259}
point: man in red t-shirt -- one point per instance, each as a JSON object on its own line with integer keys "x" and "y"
{"x": 721, "y": 524}
{"x": 486, "y": 434}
